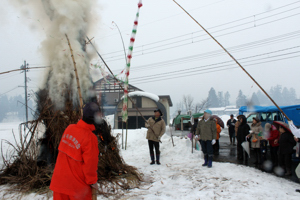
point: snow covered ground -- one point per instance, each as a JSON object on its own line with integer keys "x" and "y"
{"x": 181, "y": 175}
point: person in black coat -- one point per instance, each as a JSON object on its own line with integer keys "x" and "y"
{"x": 286, "y": 145}
{"x": 243, "y": 131}
{"x": 231, "y": 129}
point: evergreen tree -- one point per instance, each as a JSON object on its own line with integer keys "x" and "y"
{"x": 221, "y": 99}
{"x": 293, "y": 96}
{"x": 226, "y": 99}
{"x": 213, "y": 100}
{"x": 241, "y": 100}
{"x": 263, "y": 99}
{"x": 254, "y": 99}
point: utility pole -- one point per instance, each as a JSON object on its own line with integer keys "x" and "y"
{"x": 24, "y": 67}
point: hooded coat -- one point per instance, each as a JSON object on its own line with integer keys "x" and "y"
{"x": 243, "y": 130}
{"x": 77, "y": 162}
{"x": 256, "y": 130}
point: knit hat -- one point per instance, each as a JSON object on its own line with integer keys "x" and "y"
{"x": 208, "y": 112}
{"x": 90, "y": 110}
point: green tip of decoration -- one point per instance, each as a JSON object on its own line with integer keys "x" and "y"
{"x": 128, "y": 64}
{"x": 131, "y": 48}
{"x": 137, "y": 14}
{"x": 134, "y": 30}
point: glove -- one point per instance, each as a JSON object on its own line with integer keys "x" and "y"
{"x": 250, "y": 131}
{"x": 290, "y": 122}
{"x": 196, "y": 137}
{"x": 147, "y": 125}
{"x": 159, "y": 137}
{"x": 213, "y": 142}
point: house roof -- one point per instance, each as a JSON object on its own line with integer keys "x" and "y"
{"x": 168, "y": 98}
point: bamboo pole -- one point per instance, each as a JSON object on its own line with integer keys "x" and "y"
{"x": 133, "y": 104}
{"x": 235, "y": 61}
{"x": 77, "y": 78}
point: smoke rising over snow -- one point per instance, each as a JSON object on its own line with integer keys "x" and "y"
{"x": 63, "y": 17}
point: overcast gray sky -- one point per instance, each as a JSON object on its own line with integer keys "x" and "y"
{"x": 168, "y": 44}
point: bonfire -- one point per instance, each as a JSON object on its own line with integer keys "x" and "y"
{"x": 67, "y": 85}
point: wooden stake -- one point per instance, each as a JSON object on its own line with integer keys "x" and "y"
{"x": 77, "y": 78}
{"x": 235, "y": 61}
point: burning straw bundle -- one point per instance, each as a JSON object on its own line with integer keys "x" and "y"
{"x": 30, "y": 168}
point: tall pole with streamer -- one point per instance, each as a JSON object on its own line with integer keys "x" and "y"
{"x": 129, "y": 57}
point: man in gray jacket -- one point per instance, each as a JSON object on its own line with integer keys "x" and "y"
{"x": 207, "y": 134}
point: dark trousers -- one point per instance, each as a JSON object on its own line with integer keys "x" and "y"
{"x": 207, "y": 148}
{"x": 263, "y": 150}
{"x": 155, "y": 145}
{"x": 274, "y": 155}
{"x": 232, "y": 137}
{"x": 241, "y": 154}
{"x": 240, "y": 150}
{"x": 257, "y": 155}
{"x": 285, "y": 161}
{"x": 216, "y": 147}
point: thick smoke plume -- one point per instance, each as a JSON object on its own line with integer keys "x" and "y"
{"x": 64, "y": 17}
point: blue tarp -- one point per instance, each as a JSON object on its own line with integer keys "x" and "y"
{"x": 293, "y": 112}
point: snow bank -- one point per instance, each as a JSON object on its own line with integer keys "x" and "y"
{"x": 154, "y": 97}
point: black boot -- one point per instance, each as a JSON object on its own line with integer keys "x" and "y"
{"x": 209, "y": 164}
{"x": 157, "y": 159}
{"x": 205, "y": 160}
{"x": 152, "y": 159}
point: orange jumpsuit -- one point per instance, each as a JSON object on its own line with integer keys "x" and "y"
{"x": 76, "y": 164}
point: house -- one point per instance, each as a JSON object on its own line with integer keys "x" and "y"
{"x": 111, "y": 102}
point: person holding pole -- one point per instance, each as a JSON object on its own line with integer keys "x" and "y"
{"x": 156, "y": 129}
{"x": 75, "y": 172}
{"x": 207, "y": 132}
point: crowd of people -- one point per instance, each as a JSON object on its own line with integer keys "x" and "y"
{"x": 276, "y": 138}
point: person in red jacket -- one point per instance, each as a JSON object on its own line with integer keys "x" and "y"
{"x": 77, "y": 162}
{"x": 273, "y": 141}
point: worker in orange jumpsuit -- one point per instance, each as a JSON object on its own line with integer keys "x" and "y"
{"x": 76, "y": 166}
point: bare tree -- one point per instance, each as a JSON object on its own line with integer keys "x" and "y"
{"x": 202, "y": 105}
{"x": 179, "y": 106}
{"x": 188, "y": 102}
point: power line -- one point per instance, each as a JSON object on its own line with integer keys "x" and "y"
{"x": 214, "y": 28}
{"x": 211, "y": 27}
{"x": 167, "y": 48}
{"x": 9, "y": 91}
{"x": 157, "y": 20}
{"x": 167, "y": 74}
{"x": 245, "y": 58}
{"x": 212, "y": 54}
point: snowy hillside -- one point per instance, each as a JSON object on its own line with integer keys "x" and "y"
{"x": 181, "y": 175}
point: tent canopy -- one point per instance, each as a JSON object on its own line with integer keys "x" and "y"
{"x": 197, "y": 115}
{"x": 178, "y": 118}
{"x": 293, "y": 112}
